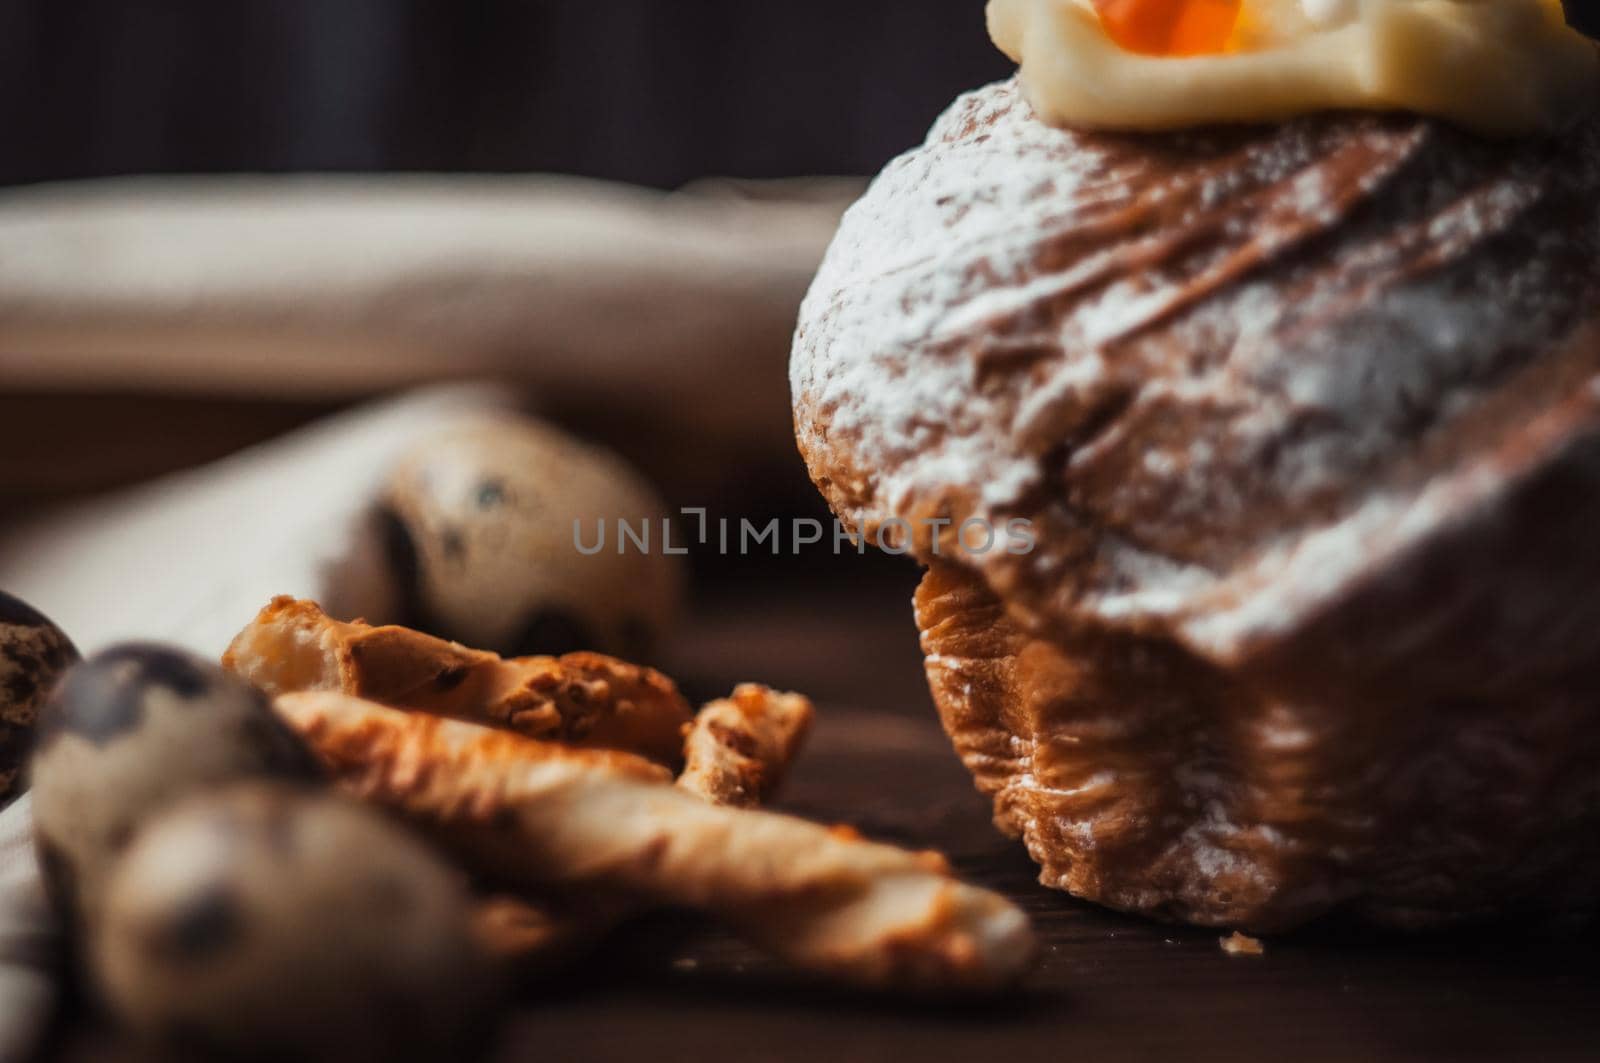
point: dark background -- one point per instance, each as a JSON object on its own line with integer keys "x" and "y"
{"x": 651, "y": 91}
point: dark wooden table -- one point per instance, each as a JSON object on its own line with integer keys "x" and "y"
{"x": 1108, "y": 987}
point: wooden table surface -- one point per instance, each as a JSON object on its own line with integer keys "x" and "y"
{"x": 1108, "y": 987}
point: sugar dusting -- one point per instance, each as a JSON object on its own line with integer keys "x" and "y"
{"x": 1242, "y": 389}
{"x": 996, "y": 293}
{"x": 888, "y": 293}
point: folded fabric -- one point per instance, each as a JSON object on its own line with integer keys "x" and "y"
{"x": 30, "y": 939}
{"x": 608, "y": 296}
{"x": 189, "y": 559}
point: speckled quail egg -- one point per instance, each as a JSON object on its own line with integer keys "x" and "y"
{"x": 260, "y": 922}
{"x": 485, "y": 521}
{"x": 126, "y": 733}
{"x": 33, "y": 654}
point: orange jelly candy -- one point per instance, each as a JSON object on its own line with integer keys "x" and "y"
{"x": 1169, "y": 27}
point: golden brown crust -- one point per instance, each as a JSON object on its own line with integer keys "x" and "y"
{"x": 542, "y": 817}
{"x": 738, "y": 748}
{"x": 1145, "y": 780}
{"x": 583, "y": 699}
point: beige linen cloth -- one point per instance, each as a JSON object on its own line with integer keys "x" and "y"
{"x": 659, "y": 305}
{"x": 655, "y": 307}
{"x": 29, "y": 942}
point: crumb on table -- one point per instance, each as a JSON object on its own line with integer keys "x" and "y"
{"x": 1237, "y": 944}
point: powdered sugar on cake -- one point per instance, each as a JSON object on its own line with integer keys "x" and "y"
{"x": 1307, "y": 421}
{"x": 1242, "y": 366}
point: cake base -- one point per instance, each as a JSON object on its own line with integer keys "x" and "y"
{"x": 1143, "y": 779}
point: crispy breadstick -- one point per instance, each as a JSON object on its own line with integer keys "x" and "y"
{"x": 738, "y": 748}
{"x": 536, "y": 937}
{"x": 546, "y": 817}
{"x": 736, "y": 753}
{"x": 582, "y": 698}
{"x": 510, "y": 928}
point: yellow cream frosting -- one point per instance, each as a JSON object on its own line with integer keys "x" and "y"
{"x": 1498, "y": 67}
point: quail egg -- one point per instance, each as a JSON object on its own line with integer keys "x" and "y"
{"x": 33, "y": 654}
{"x": 266, "y": 923}
{"x": 124, "y": 734}
{"x": 507, "y": 535}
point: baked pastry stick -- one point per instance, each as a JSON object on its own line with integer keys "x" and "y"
{"x": 738, "y": 748}
{"x": 584, "y": 699}
{"x": 736, "y": 753}
{"x": 552, "y": 818}
{"x": 536, "y": 938}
